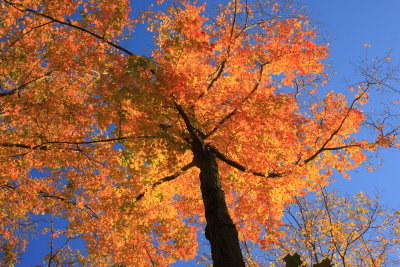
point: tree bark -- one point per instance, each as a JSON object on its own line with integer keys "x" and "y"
{"x": 220, "y": 230}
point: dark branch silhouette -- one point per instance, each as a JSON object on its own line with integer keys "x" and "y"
{"x": 166, "y": 179}
{"x": 241, "y": 167}
{"x": 47, "y": 195}
{"x": 227, "y": 117}
{"x": 15, "y": 90}
{"x": 323, "y": 147}
{"x": 69, "y": 24}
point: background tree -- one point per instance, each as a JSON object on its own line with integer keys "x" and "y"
{"x": 348, "y": 230}
{"x": 115, "y": 143}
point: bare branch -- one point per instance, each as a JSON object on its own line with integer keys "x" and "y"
{"x": 51, "y": 241}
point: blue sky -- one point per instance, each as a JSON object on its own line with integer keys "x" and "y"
{"x": 347, "y": 25}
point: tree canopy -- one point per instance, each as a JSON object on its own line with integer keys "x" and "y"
{"x": 223, "y": 124}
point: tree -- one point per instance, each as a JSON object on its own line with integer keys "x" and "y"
{"x": 223, "y": 119}
{"x": 344, "y": 230}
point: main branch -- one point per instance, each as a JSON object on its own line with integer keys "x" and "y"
{"x": 241, "y": 167}
{"x": 69, "y": 24}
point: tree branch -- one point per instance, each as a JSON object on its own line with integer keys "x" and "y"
{"x": 220, "y": 70}
{"x": 166, "y": 179}
{"x": 44, "y": 146}
{"x": 29, "y": 31}
{"x": 195, "y": 134}
{"x": 323, "y": 147}
{"x": 227, "y": 117}
{"x": 47, "y": 195}
{"x": 69, "y": 24}
{"x": 241, "y": 167}
{"x": 13, "y": 91}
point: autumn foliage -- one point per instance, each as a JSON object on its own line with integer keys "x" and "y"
{"x": 108, "y": 140}
{"x": 347, "y": 230}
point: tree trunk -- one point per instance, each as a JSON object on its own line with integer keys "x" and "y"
{"x": 220, "y": 230}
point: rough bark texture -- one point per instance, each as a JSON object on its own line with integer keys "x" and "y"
{"x": 220, "y": 230}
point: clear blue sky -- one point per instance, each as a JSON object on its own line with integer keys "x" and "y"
{"x": 347, "y": 24}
